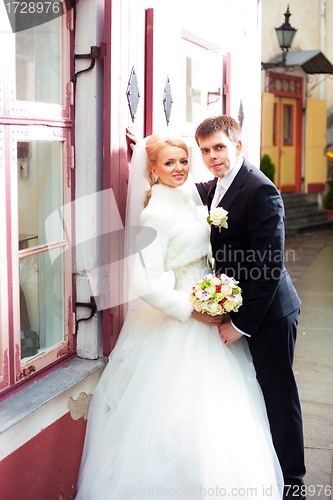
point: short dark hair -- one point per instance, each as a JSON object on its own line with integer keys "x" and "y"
{"x": 222, "y": 123}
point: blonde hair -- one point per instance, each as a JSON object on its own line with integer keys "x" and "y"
{"x": 153, "y": 146}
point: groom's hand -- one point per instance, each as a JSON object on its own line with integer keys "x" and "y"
{"x": 228, "y": 333}
{"x": 131, "y": 135}
{"x": 208, "y": 319}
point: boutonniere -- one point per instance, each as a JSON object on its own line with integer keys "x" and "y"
{"x": 218, "y": 217}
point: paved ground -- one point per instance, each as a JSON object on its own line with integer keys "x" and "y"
{"x": 303, "y": 249}
{"x": 310, "y": 263}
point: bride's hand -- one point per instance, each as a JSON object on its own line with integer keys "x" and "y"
{"x": 132, "y": 137}
{"x": 208, "y": 319}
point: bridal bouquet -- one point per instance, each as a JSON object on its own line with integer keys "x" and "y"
{"x": 216, "y": 295}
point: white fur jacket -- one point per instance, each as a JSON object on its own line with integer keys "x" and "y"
{"x": 182, "y": 238}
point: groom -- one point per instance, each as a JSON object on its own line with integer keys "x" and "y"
{"x": 252, "y": 250}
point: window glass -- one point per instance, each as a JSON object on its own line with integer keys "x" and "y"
{"x": 41, "y": 302}
{"x": 287, "y": 125}
{"x": 39, "y": 63}
{"x": 39, "y": 191}
{"x": 275, "y": 124}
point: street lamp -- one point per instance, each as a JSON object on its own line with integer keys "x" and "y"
{"x": 286, "y": 34}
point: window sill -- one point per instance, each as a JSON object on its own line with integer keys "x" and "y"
{"x": 41, "y": 392}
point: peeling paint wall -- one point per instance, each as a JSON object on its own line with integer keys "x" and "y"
{"x": 79, "y": 407}
{"x": 46, "y": 467}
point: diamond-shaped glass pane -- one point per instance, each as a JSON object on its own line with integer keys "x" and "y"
{"x": 133, "y": 94}
{"x": 241, "y": 114}
{"x": 167, "y": 100}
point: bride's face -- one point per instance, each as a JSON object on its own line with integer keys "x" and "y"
{"x": 172, "y": 166}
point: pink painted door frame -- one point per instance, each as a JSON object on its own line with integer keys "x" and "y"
{"x": 123, "y": 51}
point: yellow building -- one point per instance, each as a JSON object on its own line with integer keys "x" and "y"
{"x": 297, "y": 97}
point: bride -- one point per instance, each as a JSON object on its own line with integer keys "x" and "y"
{"x": 176, "y": 413}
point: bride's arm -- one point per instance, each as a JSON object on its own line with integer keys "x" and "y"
{"x": 148, "y": 269}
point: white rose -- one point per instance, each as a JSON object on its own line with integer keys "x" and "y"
{"x": 205, "y": 306}
{"x": 215, "y": 309}
{"x": 218, "y": 214}
{"x": 197, "y": 306}
{"x": 229, "y": 305}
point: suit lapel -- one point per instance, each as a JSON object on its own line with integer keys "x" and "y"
{"x": 231, "y": 195}
{"x": 210, "y": 194}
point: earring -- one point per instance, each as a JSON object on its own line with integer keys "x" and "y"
{"x": 156, "y": 180}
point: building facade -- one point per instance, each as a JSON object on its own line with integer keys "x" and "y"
{"x": 297, "y": 97}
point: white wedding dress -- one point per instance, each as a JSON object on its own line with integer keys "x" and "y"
{"x": 176, "y": 413}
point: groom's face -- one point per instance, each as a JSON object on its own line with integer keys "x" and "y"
{"x": 219, "y": 154}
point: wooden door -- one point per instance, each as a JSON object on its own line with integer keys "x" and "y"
{"x": 286, "y": 143}
{"x": 150, "y": 43}
{"x": 315, "y": 146}
{"x": 268, "y": 128}
{"x": 282, "y": 129}
{"x": 275, "y": 152}
{"x": 124, "y": 86}
{"x": 280, "y": 139}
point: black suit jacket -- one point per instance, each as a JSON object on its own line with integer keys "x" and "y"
{"x": 251, "y": 249}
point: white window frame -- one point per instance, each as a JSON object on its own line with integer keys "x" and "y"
{"x": 49, "y": 134}
{"x": 23, "y": 121}
{"x": 42, "y": 110}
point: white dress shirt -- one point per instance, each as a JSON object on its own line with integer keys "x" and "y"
{"x": 223, "y": 184}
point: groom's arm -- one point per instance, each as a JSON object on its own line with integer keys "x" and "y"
{"x": 265, "y": 225}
